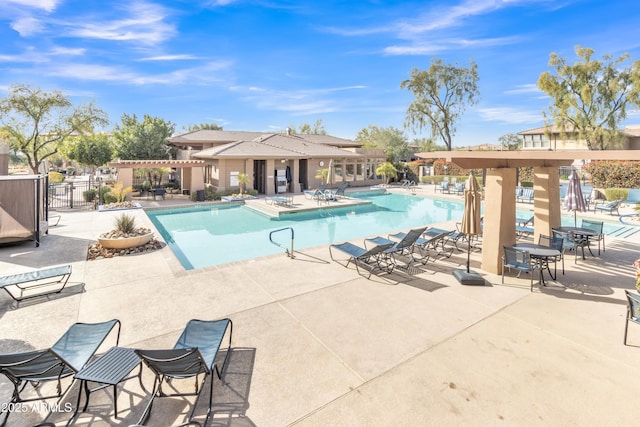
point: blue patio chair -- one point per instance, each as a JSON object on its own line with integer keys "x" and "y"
{"x": 555, "y": 242}
{"x": 520, "y": 260}
{"x": 369, "y": 259}
{"x": 633, "y": 311}
{"x": 443, "y": 187}
{"x": 194, "y": 354}
{"x": 64, "y": 359}
{"x": 596, "y": 227}
{"x": 571, "y": 242}
{"x": 608, "y": 207}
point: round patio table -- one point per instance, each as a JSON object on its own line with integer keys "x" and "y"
{"x": 541, "y": 254}
{"x": 580, "y": 232}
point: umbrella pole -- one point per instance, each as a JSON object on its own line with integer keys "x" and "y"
{"x": 468, "y": 252}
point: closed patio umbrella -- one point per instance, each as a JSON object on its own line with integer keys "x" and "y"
{"x": 574, "y": 200}
{"x": 470, "y": 227}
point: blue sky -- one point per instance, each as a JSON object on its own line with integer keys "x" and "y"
{"x": 264, "y": 65}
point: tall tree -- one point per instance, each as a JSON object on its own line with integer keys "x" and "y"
{"x": 38, "y": 123}
{"x": 307, "y": 129}
{"x": 203, "y": 126}
{"x": 442, "y": 93}
{"x": 590, "y": 97}
{"x": 391, "y": 139}
{"x": 146, "y": 140}
{"x": 427, "y": 144}
{"x": 510, "y": 141}
{"x": 92, "y": 150}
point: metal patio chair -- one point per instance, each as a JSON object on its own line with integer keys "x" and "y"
{"x": 65, "y": 358}
{"x": 194, "y": 354}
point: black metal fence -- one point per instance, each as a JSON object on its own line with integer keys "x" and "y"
{"x": 71, "y": 195}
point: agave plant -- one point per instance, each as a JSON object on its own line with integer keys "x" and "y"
{"x": 126, "y": 224}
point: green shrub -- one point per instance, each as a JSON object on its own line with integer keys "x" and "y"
{"x": 525, "y": 174}
{"x": 526, "y": 184}
{"x": 55, "y": 177}
{"x": 109, "y": 198}
{"x": 104, "y": 190}
{"x": 616, "y": 193}
{"x": 89, "y": 195}
{"x": 614, "y": 174}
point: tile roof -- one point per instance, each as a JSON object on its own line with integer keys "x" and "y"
{"x": 221, "y": 136}
{"x": 275, "y": 146}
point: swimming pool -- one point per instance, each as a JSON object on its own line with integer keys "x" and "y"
{"x": 213, "y": 235}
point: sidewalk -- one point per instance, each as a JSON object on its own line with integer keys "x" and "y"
{"x": 314, "y": 344}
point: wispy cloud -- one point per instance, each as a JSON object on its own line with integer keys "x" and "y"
{"x": 28, "y": 26}
{"x": 509, "y": 115}
{"x": 67, "y": 51}
{"x": 169, "y": 58}
{"x": 296, "y": 102}
{"x": 427, "y": 48}
{"x": 48, "y": 5}
{"x": 144, "y": 22}
{"x": 216, "y": 3}
{"x": 209, "y": 73}
{"x": 527, "y": 88}
{"x": 423, "y": 33}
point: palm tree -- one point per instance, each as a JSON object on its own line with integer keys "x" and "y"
{"x": 243, "y": 180}
{"x": 387, "y": 170}
{"x": 322, "y": 175}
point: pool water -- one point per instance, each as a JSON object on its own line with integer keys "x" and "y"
{"x": 213, "y": 235}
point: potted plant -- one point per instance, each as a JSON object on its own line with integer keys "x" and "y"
{"x": 126, "y": 234}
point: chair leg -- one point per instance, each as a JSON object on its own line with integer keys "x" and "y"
{"x": 626, "y": 326}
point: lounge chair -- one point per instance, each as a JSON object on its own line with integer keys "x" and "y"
{"x": 459, "y": 188}
{"x": 526, "y": 195}
{"x": 370, "y": 259}
{"x": 193, "y": 354}
{"x": 65, "y": 358}
{"x": 35, "y": 283}
{"x": 608, "y": 207}
{"x": 286, "y": 201}
{"x": 319, "y": 194}
{"x": 435, "y": 239}
{"x": 443, "y": 187}
{"x": 406, "y": 244}
{"x": 523, "y": 227}
{"x": 336, "y": 194}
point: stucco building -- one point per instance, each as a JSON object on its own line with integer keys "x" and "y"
{"x": 277, "y": 162}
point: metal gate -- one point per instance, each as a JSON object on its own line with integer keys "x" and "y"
{"x": 71, "y": 194}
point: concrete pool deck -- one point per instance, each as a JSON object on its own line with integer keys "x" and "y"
{"x": 315, "y": 344}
